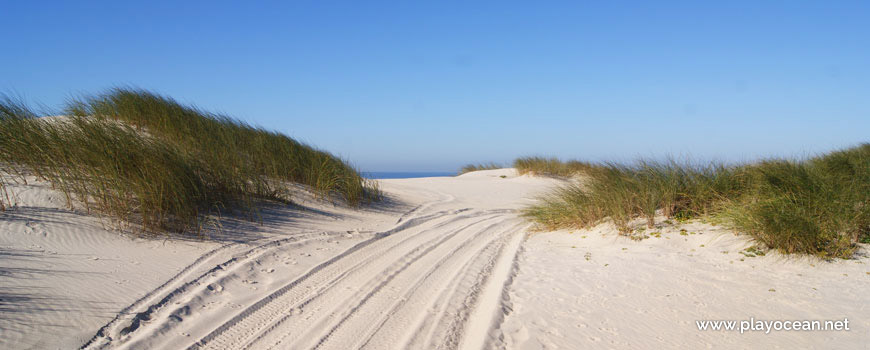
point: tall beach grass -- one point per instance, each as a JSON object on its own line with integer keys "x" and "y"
{"x": 478, "y": 167}
{"x": 537, "y": 165}
{"x": 139, "y": 157}
{"x": 818, "y": 206}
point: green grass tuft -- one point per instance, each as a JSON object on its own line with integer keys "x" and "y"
{"x": 819, "y": 206}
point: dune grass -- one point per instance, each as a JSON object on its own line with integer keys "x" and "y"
{"x": 819, "y": 206}
{"x": 477, "y": 167}
{"x": 550, "y": 166}
{"x": 623, "y": 192}
{"x": 140, "y": 157}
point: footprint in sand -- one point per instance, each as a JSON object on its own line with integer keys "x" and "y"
{"x": 609, "y": 330}
{"x": 34, "y": 227}
{"x": 179, "y": 314}
{"x": 554, "y": 332}
{"x": 521, "y": 335}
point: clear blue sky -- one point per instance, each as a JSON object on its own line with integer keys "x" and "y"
{"x": 410, "y": 86}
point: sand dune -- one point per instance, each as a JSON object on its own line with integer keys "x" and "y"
{"x": 443, "y": 263}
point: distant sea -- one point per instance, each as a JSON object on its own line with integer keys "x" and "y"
{"x": 405, "y": 174}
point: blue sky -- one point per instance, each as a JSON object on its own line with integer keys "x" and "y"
{"x": 429, "y": 86}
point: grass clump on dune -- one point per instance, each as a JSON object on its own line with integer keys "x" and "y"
{"x": 141, "y": 157}
{"x": 478, "y": 167}
{"x": 623, "y": 192}
{"x": 112, "y": 169}
{"x": 550, "y": 166}
{"x": 819, "y": 206}
{"x": 249, "y": 158}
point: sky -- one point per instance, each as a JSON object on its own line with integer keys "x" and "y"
{"x": 431, "y": 86}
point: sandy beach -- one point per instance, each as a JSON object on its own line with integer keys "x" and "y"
{"x": 505, "y": 175}
{"x": 442, "y": 263}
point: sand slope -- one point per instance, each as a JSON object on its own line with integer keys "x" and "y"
{"x": 62, "y": 275}
{"x": 594, "y": 289}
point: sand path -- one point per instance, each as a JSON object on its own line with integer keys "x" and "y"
{"x": 434, "y": 278}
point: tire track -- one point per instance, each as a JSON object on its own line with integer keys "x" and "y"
{"x": 272, "y": 311}
{"x": 450, "y": 328}
{"x": 115, "y": 332}
{"x": 437, "y": 279}
{"x": 387, "y": 286}
{"x": 109, "y": 332}
{"x": 432, "y": 289}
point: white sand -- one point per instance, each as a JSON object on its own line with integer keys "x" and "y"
{"x": 443, "y": 263}
{"x": 593, "y": 289}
